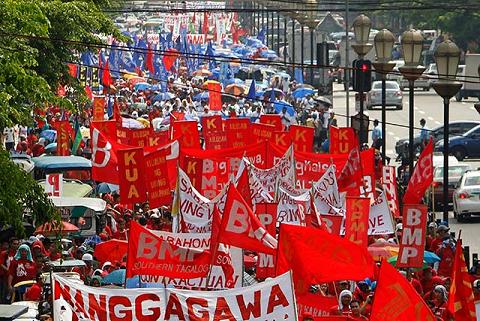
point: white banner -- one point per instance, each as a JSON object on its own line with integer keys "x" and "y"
{"x": 196, "y": 39}
{"x": 269, "y": 300}
{"x": 54, "y": 184}
{"x": 379, "y": 219}
{"x": 292, "y": 209}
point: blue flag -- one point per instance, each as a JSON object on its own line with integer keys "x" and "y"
{"x": 272, "y": 95}
{"x": 210, "y": 56}
{"x": 114, "y": 61}
{"x": 261, "y": 35}
{"x": 298, "y": 75}
{"x": 110, "y": 107}
{"x": 251, "y": 91}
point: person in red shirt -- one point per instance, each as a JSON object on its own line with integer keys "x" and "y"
{"x": 343, "y": 307}
{"x": 6, "y": 257}
{"x": 439, "y": 307}
{"x": 21, "y": 269}
{"x": 356, "y": 315}
{"x": 122, "y": 232}
{"x": 34, "y": 293}
{"x": 446, "y": 252}
{"x": 442, "y": 233}
{"x": 430, "y": 235}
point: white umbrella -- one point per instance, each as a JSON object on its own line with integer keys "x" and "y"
{"x": 131, "y": 123}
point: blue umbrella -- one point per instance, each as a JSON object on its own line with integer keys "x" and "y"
{"x": 278, "y": 92}
{"x": 430, "y": 257}
{"x": 115, "y": 277}
{"x": 302, "y": 92}
{"x": 103, "y": 188}
{"x": 51, "y": 148}
{"x": 235, "y": 81}
{"x": 279, "y": 105}
{"x": 49, "y": 134}
{"x": 259, "y": 94}
{"x": 163, "y": 96}
{"x": 142, "y": 86}
{"x": 203, "y": 96}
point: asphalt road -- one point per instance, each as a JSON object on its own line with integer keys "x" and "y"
{"x": 428, "y": 105}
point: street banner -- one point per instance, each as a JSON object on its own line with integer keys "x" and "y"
{"x": 412, "y": 243}
{"x": 241, "y": 227}
{"x": 194, "y": 210}
{"x": 104, "y": 157}
{"x": 211, "y": 123}
{"x": 186, "y": 131}
{"x": 195, "y": 39}
{"x": 214, "y": 96}
{"x": 282, "y": 139}
{"x": 63, "y": 140}
{"x": 342, "y": 140}
{"x": 130, "y": 169}
{"x": 150, "y": 254}
{"x": 292, "y": 209}
{"x": 332, "y": 223}
{"x": 267, "y": 214}
{"x": 158, "y": 138}
{"x": 302, "y": 138}
{"x": 269, "y": 300}
{"x": 258, "y": 191}
{"x": 367, "y": 188}
{"x": 317, "y": 305}
{"x": 156, "y": 179}
{"x": 140, "y": 137}
{"x": 397, "y": 299}
{"x": 272, "y": 119}
{"x": 238, "y": 132}
{"x": 421, "y": 178}
{"x": 54, "y": 184}
{"x": 326, "y": 196}
{"x": 379, "y": 219}
{"x": 216, "y": 140}
{"x": 356, "y": 220}
{"x": 98, "y": 108}
{"x": 351, "y": 177}
{"x": 389, "y": 181}
{"x": 194, "y": 168}
{"x": 261, "y": 132}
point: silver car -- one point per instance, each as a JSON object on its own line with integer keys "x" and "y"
{"x": 466, "y": 198}
{"x": 394, "y": 95}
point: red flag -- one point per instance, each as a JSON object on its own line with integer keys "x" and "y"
{"x": 106, "y": 78}
{"x": 214, "y": 96}
{"x": 317, "y": 305}
{"x": 116, "y": 113}
{"x": 272, "y": 119}
{"x": 241, "y": 228}
{"x": 130, "y": 168}
{"x": 412, "y": 244}
{"x": 169, "y": 58}
{"x": 211, "y": 123}
{"x": 104, "y": 156}
{"x": 461, "y": 303}
{"x": 149, "y": 254}
{"x": 243, "y": 186}
{"x": 282, "y": 139}
{"x": 193, "y": 167}
{"x": 351, "y": 176}
{"x": 88, "y": 92}
{"x": 72, "y": 70}
{"x": 302, "y": 138}
{"x": 267, "y": 214}
{"x": 422, "y": 177}
{"x": 316, "y": 256}
{"x": 356, "y": 220}
{"x": 396, "y": 299}
{"x": 98, "y": 108}
{"x": 216, "y": 140}
{"x": 205, "y": 24}
{"x": 238, "y": 132}
{"x": 389, "y": 182}
{"x": 149, "y": 61}
{"x": 261, "y": 132}
{"x": 186, "y": 131}
{"x": 342, "y": 140}
{"x": 156, "y": 180}
{"x": 63, "y": 143}
{"x": 332, "y": 223}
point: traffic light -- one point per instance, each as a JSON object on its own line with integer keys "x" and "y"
{"x": 362, "y": 75}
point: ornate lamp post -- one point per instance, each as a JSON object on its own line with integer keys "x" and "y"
{"x": 412, "y": 45}
{"x": 361, "y": 29}
{"x": 447, "y": 57}
{"x": 383, "y": 42}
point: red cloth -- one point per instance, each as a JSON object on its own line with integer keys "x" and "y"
{"x": 447, "y": 255}
{"x": 22, "y": 270}
{"x": 417, "y": 285}
{"x": 435, "y": 244}
{"x": 121, "y": 235}
{"x": 421, "y": 178}
{"x": 34, "y": 293}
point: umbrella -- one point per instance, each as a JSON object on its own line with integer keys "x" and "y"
{"x": 103, "y": 188}
{"x": 54, "y": 228}
{"x": 226, "y": 98}
{"x": 205, "y": 84}
{"x": 383, "y": 250}
{"x": 163, "y": 96}
{"x": 135, "y": 80}
{"x": 131, "y": 123}
{"x": 112, "y": 250}
{"x": 323, "y": 100}
{"x": 142, "y": 86}
{"x": 302, "y": 92}
{"x": 430, "y": 257}
{"x": 279, "y": 105}
{"x": 115, "y": 277}
{"x": 393, "y": 261}
{"x": 278, "y": 92}
{"x": 51, "y": 148}
{"x": 202, "y": 72}
{"x": 304, "y": 86}
{"x": 235, "y": 81}
{"x": 235, "y": 89}
{"x": 49, "y": 134}
{"x": 203, "y": 96}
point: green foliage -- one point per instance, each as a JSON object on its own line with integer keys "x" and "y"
{"x": 19, "y": 194}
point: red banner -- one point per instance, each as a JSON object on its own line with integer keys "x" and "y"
{"x": 261, "y": 132}
{"x": 149, "y": 254}
{"x": 214, "y": 96}
{"x": 332, "y": 223}
{"x": 302, "y": 138}
{"x": 140, "y": 137}
{"x": 272, "y": 119}
{"x": 211, "y": 123}
{"x": 104, "y": 157}
{"x": 342, "y": 140}
{"x": 216, "y": 140}
{"x": 193, "y": 167}
{"x": 412, "y": 243}
{"x": 158, "y": 138}
{"x": 267, "y": 214}
{"x": 421, "y": 178}
{"x": 315, "y": 304}
{"x": 156, "y": 179}
{"x": 356, "y": 220}
{"x": 63, "y": 141}
{"x": 186, "y": 131}
{"x": 389, "y": 182}
{"x": 98, "y": 108}
{"x": 282, "y": 139}
{"x": 106, "y": 127}
{"x": 238, "y": 132}
{"x": 130, "y": 168}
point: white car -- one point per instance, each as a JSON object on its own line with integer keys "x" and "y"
{"x": 466, "y": 198}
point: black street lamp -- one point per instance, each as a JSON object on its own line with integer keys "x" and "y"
{"x": 447, "y": 57}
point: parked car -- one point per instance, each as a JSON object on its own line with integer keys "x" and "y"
{"x": 394, "y": 95}
{"x": 466, "y": 198}
{"x": 455, "y": 172}
{"x": 466, "y": 145}
{"x": 455, "y": 128}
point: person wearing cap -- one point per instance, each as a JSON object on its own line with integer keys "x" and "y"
{"x": 22, "y": 268}
{"x": 442, "y": 233}
{"x": 106, "y": 268}
{"x": 446, "y": 253}
{"x": 343, "y": 307}
{"x": 439, "y": 307}
{"x": 432, "y": 227}
{"x": 87, "y": 271}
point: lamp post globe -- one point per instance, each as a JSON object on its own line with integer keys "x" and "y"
{"x": 361, "y": 28}
{"x": 383, "y": 42}
{"x": 412, "y": 46}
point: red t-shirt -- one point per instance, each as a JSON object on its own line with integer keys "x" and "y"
{"x": 121, "y": 235}
{"x": 22, "y": 270}
{"x": 435, "y": 245}
{"x": 34, "y": 293}
{"x": 417, "y": 285}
